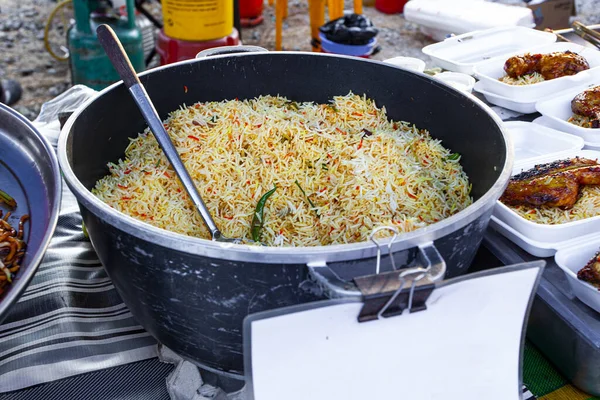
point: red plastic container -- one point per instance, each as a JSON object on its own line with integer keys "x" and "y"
{"x": 251, "y": 9}
{"x": 390, "y": 6}
{"x": 173, "y": 50}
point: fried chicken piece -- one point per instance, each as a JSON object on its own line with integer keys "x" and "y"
{"x": 522, "y": 65}
{"x": 591, "y": 272}
{"x": 550, "y": 66}
{"x": 587, "y": 103}
{"x": 556, "y": 184}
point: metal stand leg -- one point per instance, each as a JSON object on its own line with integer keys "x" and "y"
{"x": 236, "y": 17}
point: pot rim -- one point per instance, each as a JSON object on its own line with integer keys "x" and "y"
{"x": 279, "y": 255}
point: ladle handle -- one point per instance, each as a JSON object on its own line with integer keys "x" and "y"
{"x": 118, "y": 57}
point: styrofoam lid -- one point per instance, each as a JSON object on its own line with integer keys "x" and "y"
{"x": 533, "y": 247}
{"x": 462, "y": 16}
{"x": 537, "y": 142}
{"x": 461, "y": 53}
{"x": 507, "y": 106}
{"x": 549, "y": 123}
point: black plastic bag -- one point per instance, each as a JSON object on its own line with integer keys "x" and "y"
{"x": 350, "y": 29}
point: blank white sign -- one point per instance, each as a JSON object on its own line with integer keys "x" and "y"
{"x": 466, "y": 345}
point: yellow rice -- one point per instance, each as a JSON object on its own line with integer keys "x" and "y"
{"x": 528, "y": 79}
{"x": 392, "y": 174}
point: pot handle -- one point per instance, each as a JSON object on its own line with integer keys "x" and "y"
{"x": 332, "y": 286}
{"x": 225, "y": 50}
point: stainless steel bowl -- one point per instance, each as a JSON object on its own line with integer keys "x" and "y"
{"x": 28, "y": 172}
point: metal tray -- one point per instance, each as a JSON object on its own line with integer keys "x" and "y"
{"x": 28, "y": 172}
{"x": 565, "y": 330}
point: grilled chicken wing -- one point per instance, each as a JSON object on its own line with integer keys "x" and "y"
{"x": 591, "y": 272}
{"x": 550, "y": 66}
{"x": 555, "y": 184}
{"x": 587, "y": 103}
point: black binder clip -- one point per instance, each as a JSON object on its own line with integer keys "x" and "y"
{"x": 389, "y": 294}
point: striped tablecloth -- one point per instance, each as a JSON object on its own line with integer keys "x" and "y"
{"x": 70, "y": 319}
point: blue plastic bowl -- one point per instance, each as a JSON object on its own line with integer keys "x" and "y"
{"x": 347, "y": 49}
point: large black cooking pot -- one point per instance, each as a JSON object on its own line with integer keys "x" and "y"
{"x": 192, "y": 294}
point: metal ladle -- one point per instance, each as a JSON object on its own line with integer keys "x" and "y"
{"x": 119, "y": 59}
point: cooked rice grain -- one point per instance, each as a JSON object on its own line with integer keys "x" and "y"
{"x": 528, "y": 79}
{"x": 358, "y": 169}
{"x": 580, "y": 120}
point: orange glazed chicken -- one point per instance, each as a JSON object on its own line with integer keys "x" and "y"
{"x": 591, "y": 272}
{"x": 556, "y": 184}
{"x": 550, "y": 66}
{"x": 587, "y": 104}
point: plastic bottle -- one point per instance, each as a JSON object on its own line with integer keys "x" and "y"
{"x": 197, "y": 20}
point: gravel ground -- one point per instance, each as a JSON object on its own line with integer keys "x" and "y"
{"x": 23, "y": 57}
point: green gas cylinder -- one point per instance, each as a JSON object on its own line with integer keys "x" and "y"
{"x": 89, "y": 64}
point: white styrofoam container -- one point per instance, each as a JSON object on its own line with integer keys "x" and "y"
{"x": 461, "y": 53}
{"x": 592, "y": 146}
{"x": 547, "y": 142}
{"x": 414, "y": 64}
{"x": 571, "y": 259}
{"x": 552, "y": 235}
{"x": 570, "y": 256}
{"x": 558, "y": 109}
{"x": 525, "y": 107}
{"x": 440, "y": 18}
{"x": 550, "y": 123}
{"x": 490, "y": 71}
{"x": 533, "y": 247}
{"x": 533, "y": 144}
{"x": 457, "y": 80}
